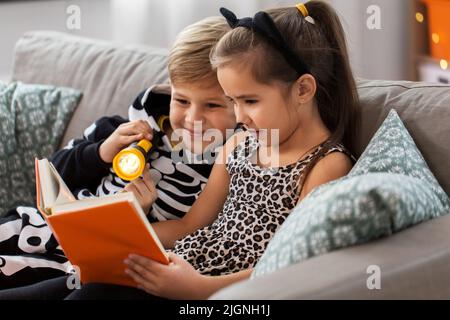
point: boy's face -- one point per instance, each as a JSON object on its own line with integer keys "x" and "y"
{"x": 197, "y": 107}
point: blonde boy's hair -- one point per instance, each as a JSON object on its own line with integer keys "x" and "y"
{"x": 189, "y": 56}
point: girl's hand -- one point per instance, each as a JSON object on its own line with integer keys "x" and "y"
{"x": 123, "y": 136}
{"x": 178, "y": 280}
{"x": 143, "y": 189}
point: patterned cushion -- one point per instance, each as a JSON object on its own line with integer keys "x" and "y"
{"x": 328, "y": 219}
{"x": 392, "y": 149}
{"x": 389, "y": 189}
{"x": 32, "y": 121}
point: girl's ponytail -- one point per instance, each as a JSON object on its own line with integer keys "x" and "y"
{"x": 339, "y": 99}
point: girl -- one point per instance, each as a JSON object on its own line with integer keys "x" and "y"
{"x": 286, "y": 71}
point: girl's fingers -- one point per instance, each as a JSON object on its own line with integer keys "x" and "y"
{"x": 146, "y": 263}
{"x": 132, "y": 188}
{"x": 140, "y": 186}
{"x": 145, "y": 271}
{"x": 142, "y": 273}
{"x": 140, "y": 280}
{"x": 147, "y": 179}
{"x": 175, "y": 258}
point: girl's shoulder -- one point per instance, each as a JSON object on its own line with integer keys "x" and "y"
{"x": 340, "y": 149}
{"x": 335, "y": 163}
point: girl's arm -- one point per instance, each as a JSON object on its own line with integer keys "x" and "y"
{"x": 209, "y": 203}
{"x": 202, "y": 213}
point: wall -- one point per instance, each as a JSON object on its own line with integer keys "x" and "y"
{"x": 386, "y": 53}
{"x": 17, "y": 17}
{"x": 382, "y": 54}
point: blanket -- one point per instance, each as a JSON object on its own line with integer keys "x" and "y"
{"x": 29, "y": 252}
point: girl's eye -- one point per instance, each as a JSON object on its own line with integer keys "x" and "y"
{"x": 249, "y": 101}
{"x": 214, "y": 105}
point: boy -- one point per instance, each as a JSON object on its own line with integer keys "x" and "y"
{"x": 85, "y": 164}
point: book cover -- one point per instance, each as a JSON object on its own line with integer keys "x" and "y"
{"x": 96, "y": 234}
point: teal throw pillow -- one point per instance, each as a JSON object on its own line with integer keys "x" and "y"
{"x": 33, "y": 119}
{"x": 392, "y": 149}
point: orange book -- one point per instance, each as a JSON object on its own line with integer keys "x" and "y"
{"x": 96, "y": 234}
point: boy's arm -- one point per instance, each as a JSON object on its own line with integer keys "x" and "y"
{"x": 79, "y": 163}
{"x": 209, "y": 203}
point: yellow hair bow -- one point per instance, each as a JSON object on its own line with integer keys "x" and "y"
{"x": 302, "y": 8}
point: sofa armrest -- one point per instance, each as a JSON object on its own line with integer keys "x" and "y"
{"x": 414, "y": 264}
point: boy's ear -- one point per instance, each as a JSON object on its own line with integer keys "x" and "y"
{"x": 305, "y": 87}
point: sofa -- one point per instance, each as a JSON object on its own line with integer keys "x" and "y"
{"x": 414, "y": 263}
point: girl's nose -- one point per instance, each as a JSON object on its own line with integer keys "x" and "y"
{"x": 241, "y": 116}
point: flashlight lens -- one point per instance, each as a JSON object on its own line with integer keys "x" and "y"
{"x": 129, "y": 163}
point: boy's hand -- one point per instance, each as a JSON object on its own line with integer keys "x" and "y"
{"x": 123, "y": 136}
{"x": 143, "y": 189}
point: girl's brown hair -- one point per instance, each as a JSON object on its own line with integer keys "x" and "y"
{"x": 322, "y": 47}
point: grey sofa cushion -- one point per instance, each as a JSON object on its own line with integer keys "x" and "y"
{"x": 424, "y": 109}
{"x": 110, "y": 76}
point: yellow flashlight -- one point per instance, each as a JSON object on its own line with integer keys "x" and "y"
{"x": 129, "y": 163}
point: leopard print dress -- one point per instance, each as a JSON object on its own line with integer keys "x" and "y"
{"x": 259, "y": 201}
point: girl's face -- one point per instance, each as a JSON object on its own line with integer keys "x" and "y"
{"x": 198, "y": 107}
{"x": 265, "y": 108}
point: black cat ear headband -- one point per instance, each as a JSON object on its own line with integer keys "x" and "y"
{"x": 263, "y": 24}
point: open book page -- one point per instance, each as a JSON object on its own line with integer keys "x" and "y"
{"x": 64, "y": 194}
{"x": 52, "y": 187}
{"x": 88, "y": 203}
